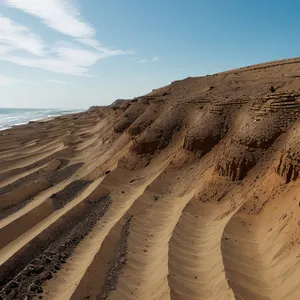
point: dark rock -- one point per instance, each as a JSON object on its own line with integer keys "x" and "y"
{"x": 39, "y": 269}
{"x": 33, "y": 287}
{"x": 48, "y": 275}
{"x": 48, "y": 260}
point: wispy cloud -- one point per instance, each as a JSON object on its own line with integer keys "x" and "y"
{"x": 19, "y": 45}
{"x": 10, "y": 81}
{"x": 145, "y": 60}
{"x": 60, "y": 59}
{"x": 63, "y": 59}
{"x": 14, "y": 36}
{"x": 64, "y": 17}
{"x": 57, "y": 81}
{"x": 95, "y": 44}
{"x": 60, "y": 15}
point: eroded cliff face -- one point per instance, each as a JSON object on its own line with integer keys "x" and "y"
{"x": 189, "y": 192}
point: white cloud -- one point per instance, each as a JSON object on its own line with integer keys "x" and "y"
{"x": 55, "y": 64}
{"x": 145, "y": 60}
{"x": 77, "y": 56}
{"x": 57, "y": 81}
{"x": 64, "y": 17}
{"x": 63, "y": 57}
{"x": 95, "y": 44}
{"x": 10, "y": 81}
{"x": 91, "y": 42}
{"x": 60, "y": 15}
{"x": 4, "y": 49}
{"x": 15, "y": 36}
{"x": 67, "y": 59}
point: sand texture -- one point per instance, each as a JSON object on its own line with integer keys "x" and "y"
{"x": 191, "y": 192}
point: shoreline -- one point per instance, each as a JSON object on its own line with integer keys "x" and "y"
{"x": 42, "y": 120}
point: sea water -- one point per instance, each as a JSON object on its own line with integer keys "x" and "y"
{"x": 17, "y": 116}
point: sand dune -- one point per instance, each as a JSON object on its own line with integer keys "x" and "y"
{"x": 191, "y": 192}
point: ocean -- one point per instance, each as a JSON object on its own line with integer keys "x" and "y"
{"x": 17, "y": 116}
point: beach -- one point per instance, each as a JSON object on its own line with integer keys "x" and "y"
{"x": 189, "y": 192}
{"x": 19, "y": 116}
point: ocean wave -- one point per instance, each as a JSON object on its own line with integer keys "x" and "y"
{"x": 15, "y": 117}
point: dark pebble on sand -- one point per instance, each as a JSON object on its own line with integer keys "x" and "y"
{"x": 48, "y": 275}
{"x": 39, "y": 269}
{"x": 48, "y": 260}
{"x": 13, "y": 284}
{"x": 33, "y": 287}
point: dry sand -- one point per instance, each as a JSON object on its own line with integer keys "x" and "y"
{"x": 191, "y": 192}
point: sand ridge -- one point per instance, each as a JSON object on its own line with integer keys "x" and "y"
{"x": 190, "y": 192}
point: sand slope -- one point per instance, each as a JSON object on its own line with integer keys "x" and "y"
{"x": 190, "y": 192}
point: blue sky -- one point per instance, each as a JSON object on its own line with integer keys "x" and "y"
{"x": 74, "y": 54}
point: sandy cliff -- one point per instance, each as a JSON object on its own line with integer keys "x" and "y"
{"x": 191, "y": 192}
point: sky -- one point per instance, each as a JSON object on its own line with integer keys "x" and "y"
{"x": 79, "y": 53}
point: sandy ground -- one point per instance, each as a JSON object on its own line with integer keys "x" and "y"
{"x": 191, "y": 192}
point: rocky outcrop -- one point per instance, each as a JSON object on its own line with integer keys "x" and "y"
{"x": 131, "y": 113}
{"x": 160, "y": 133}
{"x": 205, "y": 134}
{"x": 289, "y": 167}
{"x": 237, "y": 168}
